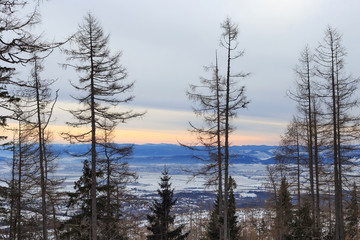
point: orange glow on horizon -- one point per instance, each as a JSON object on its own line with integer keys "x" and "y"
{"x": 143, "y": 136}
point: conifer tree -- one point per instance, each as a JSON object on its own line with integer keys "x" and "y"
{"x": 78, "y": 225}
{"x": 284, "y": 214}
{"x": 233, "y": 221}
{"x": 352, "y": 216}
{"x": 216, "y": 218}
{"x": 161, "y": 221}
{"x": 302, "y": 227}
{"x": 215, "y": 222}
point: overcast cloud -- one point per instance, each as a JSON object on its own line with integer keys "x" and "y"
{"x": 166, "y": 43}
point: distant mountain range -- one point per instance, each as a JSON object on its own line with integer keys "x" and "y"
{"x": 171, "y": 153}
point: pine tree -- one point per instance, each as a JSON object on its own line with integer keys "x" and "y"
{"x": 216, "y": 219}
{"x": 352, "y": 216}
{"x": 284, "y": 215}
{"x": 233, "y": 222}
{"x": 78, "y": 225}
{"x": 161, "y": 221}
{"x": 302, "y": 227}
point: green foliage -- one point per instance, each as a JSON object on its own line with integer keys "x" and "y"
{"x": 284, "y": 214}
{"x": 161, "y": 220}
{"x": 302, "y": 227}
{"x": 232, "y": 218}
{"x": 78, "y": 226}
{"x": 216, "y": 222}
{"x": 216, "y": 219}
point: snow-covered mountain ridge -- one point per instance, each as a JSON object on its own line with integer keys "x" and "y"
{"x": 172, "y": 153}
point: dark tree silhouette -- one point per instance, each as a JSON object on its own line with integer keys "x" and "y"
{"x": 284, "y": 214}
{"x": 303, "y": 223}
{"x": 216, "y": 218}
{"x": 161, "y": 221}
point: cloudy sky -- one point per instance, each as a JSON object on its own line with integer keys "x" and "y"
{"x": 166, "y": 43}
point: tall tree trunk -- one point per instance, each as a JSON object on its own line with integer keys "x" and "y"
{"x": 93, "y": 145}
{"x": 41, "y": 155}
{"x": 310, "y": 144}
{"x": 298, "y": 170}
{"x": 338, "y": 226}
{"x": 227, "y": 130}
{"x": 338, "y": 107}
{"x": 219, "y": 154}
{"x": 13, "y": 195}
{"x": 317, "y": 178}
{"x": 18, "y": 214}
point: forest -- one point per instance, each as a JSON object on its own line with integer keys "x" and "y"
{"x": 312, "y": 187}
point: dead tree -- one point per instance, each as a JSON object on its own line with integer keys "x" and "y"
{"x": 104, "y": 87}
{"x": 235, "y": 99}
{"x": 338, "y": 94}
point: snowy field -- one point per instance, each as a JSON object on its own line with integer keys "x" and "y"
{"x": 250, "y": 177}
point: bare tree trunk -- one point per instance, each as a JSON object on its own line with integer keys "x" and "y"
{"x": 219, "y": 154}
{"x": 93, "y": 145}
{"x": 41, "y": 155}
{"x": 310, "y": 144}
{"x": 338, "y": 107}
{"x": 316, "y": 158}
{"x": 338, "y": 230}
{"x": 227, "y": 130}
{"x": 18, "y": 200}
{"x": 298, "y": 170}
{"x": 13, "y": 195}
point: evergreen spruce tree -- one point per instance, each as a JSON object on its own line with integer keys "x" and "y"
{"x": 78, "y": 226}
{"x": 284, "y": 215}
{"x": 352, "y": 216}
{"x": 302, "y": 228}
{"x": 161, "y": 221}
{"x": 233, "y": 222}
{"x": 216, "y": 219}
{"x": 216, "y": 222}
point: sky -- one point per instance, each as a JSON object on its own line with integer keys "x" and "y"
{"x": 166, "y": 43}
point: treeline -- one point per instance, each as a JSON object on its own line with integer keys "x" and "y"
{"x": 317, "y": 154}
{"x": 313, "y": 186}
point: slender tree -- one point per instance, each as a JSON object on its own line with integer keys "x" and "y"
{"x": 209, "y": 105}
{"x": 103, "y": 85}
{"x": 290, "y": 153}
{"x": 303, "y": 96}
{"x": 235, "y": 99}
